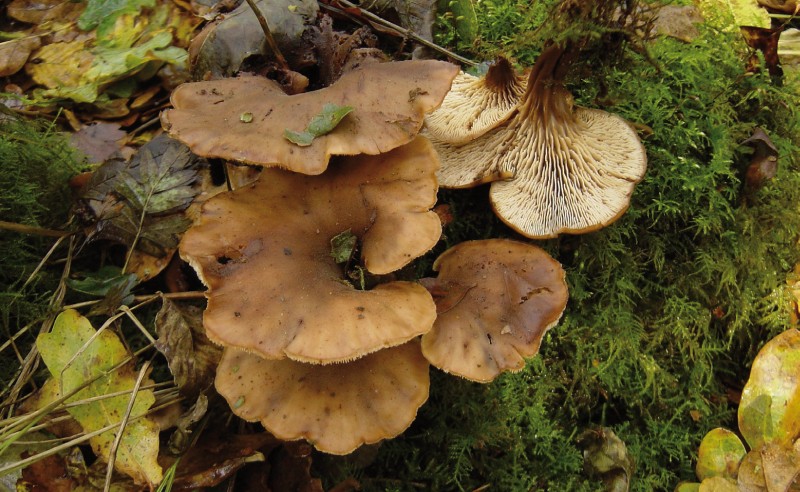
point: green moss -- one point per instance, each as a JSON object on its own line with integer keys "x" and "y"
{"x": 35, "y": 165}
{"x": 666, "y": 305}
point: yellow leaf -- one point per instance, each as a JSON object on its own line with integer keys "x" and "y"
{"x": 138, "y": 449}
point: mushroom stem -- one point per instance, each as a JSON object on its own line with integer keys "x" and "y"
{"x": 547, "y": 101}
{"x": 273, "y": 46}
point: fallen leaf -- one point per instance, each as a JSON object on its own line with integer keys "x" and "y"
{"x": 71, "y": 365}
{"x": 781, "y": 467}
{"x": 718, "y": 484}
{"x": 99, "y": 140}
{"x": 770, "y": 407}
{"x": 766, "y": 41}
{"x": 14, "y": 54}
{"x": 751, "y": 473}
{"x": 720, "y": 453}
{"x": 181, "y": 438}
{"x": 221, "y": 48}
{"x": 606, "y": 455}
{"x": 143, "y": 198}
{"x": 217, "y": 455}
{"x": 764, "y": 162}
{"x": 48, "y": 474}
{"x": 729, "y": 14}
{"x": 191, "y": 356}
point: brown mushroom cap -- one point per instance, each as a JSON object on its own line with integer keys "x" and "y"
{"x": 476, "y": 105}
{"x": 336, "y": 407}
{"x": 264, "y": 252}
{"x": 563, "y": 168}
{"x": 389, "y": 101}
{"x": 498, "y": 299}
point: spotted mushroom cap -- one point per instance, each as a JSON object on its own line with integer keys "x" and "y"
{"x": 244, "y": 119}
{"x": 264, "y": 251}
{"x": 336, "y": 407}
{"x": 476, "y": 105}
{"x": 496, "y": 299}
{"x": 555, "y": 168}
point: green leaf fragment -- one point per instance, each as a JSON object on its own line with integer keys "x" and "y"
{"x": 343, "y": 245}
{"x": 321, "y": 124}
{"x": 246, "y": 117}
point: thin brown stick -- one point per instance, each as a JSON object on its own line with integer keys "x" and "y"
{"x": 32, "y": 230}
{"x": 402, "y": 31}
{"x": 268, "y": 35}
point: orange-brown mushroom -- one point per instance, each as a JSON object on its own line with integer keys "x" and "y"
{"x": 556, "y": 168}
{"x": 336, "y": 407}
{"x": 244, "y": 119}
{"x": 496, "y": 300}
{"x": 264, "y": 252}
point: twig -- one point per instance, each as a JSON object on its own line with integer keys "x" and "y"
{"x": 268, "y": 35}
{"x": 36, "y": 231}
{"x": 402, "y": 31}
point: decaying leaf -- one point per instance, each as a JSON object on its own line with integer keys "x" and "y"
{"x": 14, "y": 54}
{"x": 221, "y": 48}
{"x": 48, "y": 474}
{"x": 71, "y": 365}
{"x": 321, "y": 124}
{"x": 417, "y": 16}
{"x": 606, "y": 455}
{"x": 216, "y": 456}
{"x": 764, "y": 40}
{"x": 181, "y": 439}
{"x": 191, "y": 356}
{"x": 770, "y": 407}
{"x": 123, "y": 44}
{"x": 109, "y": 283}
{"x": 334, "y": 49}
{"x": 781, "y": 467}
{"x": 764, "y": 162}
{"x": 720, "y": 453}
{"x": 99, "y": 141}
{"x": 143, "y": 198}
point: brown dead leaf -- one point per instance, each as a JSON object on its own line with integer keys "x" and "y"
{"x": 765, "y": 41}
{"x": 49, "y": 474}
{"x": 216, "y": 456}
{"x": 291, "y": 469}
{"x": 764, "y": 162}
{"x": 40, "y": 11}
{"x": 98, "y": 140}
{"x": 191, "y": 356}
{"x": 14, "y": 54}
{"x": 333, "y": 48}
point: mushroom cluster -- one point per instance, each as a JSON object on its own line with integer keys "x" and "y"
{"x": 555, "y": 167}
{"x": 309, "y": 352}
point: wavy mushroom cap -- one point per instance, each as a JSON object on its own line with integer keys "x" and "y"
{"x": 497, "y": 299}
{"x": 554, "y": 168}
{"x": 476, "y": 105}
{"x": 244, "y": 119}
{"x": 336, "y": 407}
{"x": 264, "y": 251}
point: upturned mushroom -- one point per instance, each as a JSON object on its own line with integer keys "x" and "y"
{"x": 244, "y": 119}
{"x": 476, "y": 105}
{"x": 274, "y": 289}
{"x": 496, "y": 299}
{"x": 336, "y": 407}
{"x": 561, "y": 168}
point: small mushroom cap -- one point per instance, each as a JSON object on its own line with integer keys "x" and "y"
{"x": 389, "y": 102}
{"x": 498, "y": 299}
{"x": 476, "y": 105}
{"x": 264, "y": 252}
{"x": 336, "y": 407}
